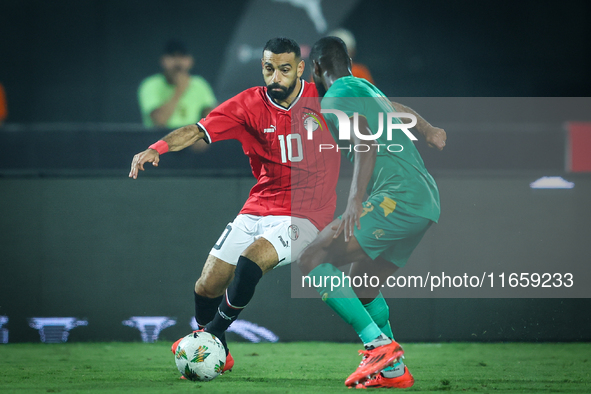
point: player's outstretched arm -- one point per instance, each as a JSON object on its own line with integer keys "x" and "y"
{"x": 176, "y": 140}
{"x": 434, "y": 136}
{"x": 363, "y": 167}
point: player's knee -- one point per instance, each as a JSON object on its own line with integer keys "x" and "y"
{"x": 306, "y": 261}
{"x": 207, "y": 289}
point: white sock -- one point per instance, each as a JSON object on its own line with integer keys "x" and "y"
{"x": 379, "y": 341}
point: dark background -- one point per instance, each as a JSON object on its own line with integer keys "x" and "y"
{"x": 82, "y": 61}
{"x": 78, "y": 238}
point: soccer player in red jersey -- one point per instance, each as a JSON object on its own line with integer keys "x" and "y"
{"x": 295, "y": 191}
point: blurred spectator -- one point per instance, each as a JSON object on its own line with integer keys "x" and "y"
{"x": 357, "y": 69}
{"x": 3, "y": 106}
{"x": 174, "y": 98}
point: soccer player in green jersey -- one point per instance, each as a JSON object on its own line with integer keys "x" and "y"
{"x": 379, "y": 234}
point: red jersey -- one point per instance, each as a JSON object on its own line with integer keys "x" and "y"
{"x": 294, "y": 178}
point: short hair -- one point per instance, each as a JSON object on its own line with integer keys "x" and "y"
{"x": 332, "y": 52}
{"x": 279, "y": 45}
{"x": 175, "y": 47}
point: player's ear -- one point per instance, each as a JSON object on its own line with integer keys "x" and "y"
{"x": 316, "y": 68}
{"x": 301, "y": 67}
{"x": 263, "y": 66}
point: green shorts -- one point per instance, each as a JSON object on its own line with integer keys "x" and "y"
{"x": 389, "y": 232}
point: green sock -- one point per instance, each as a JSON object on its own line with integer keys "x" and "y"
{"x": 380, "y": 313}
{"x": 343, "y": 300}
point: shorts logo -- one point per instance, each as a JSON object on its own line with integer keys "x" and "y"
{"x": 294, "y": 232}
{"x": 285, "y": 243}
{"x": 379, "y": 233}
{"x": 366, "y": 209}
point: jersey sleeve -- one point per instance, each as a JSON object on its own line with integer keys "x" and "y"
{"x": 226, "y": 121}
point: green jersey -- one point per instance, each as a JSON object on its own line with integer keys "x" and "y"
{"x": 399, "y": 173}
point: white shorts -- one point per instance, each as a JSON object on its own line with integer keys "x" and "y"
{"x": 288, "y": 235}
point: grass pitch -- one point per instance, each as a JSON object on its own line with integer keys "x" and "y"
{"x": 308, "y": 367}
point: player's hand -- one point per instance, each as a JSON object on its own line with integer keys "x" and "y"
{"x": 350, "y": 219}
{"x": 182, "y": 80}
{"x": 435, "y": 137}
{"x": 147, "y": 156}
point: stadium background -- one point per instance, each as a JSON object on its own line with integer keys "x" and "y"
{"x": 80, "y": 239}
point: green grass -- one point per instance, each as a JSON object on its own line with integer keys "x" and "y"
{"x": 307, "y": 367}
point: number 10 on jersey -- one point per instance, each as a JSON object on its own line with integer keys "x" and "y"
{"x": 287, "y": 148}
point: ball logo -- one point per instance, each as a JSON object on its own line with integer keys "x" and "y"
{"x": 200, "y": 354}
{"x": 219, "y": 368}
{"x": 181, "y": 353}
{"x": 190, "y": 374}
{"x": 294, "y": 232}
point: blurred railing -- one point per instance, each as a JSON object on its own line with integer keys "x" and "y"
{"x": 91, "y": 149}
{"x": 88, "y": 149}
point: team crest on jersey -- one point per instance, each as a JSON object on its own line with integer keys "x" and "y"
{"x": 311, "y": 121}
{"x": 294, "y": 232}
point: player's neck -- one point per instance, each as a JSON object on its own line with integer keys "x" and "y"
{"x": 296, "y": 92}
{"x": 331, "y": 76}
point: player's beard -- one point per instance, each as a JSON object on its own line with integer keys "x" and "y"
{"x": 283, "y": 93}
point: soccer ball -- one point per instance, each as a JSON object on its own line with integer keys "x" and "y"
{"x": 200, "y": 356}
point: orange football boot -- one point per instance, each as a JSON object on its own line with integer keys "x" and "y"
{"x": 380, "y": 381}
{"x": 374, "y": 360}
